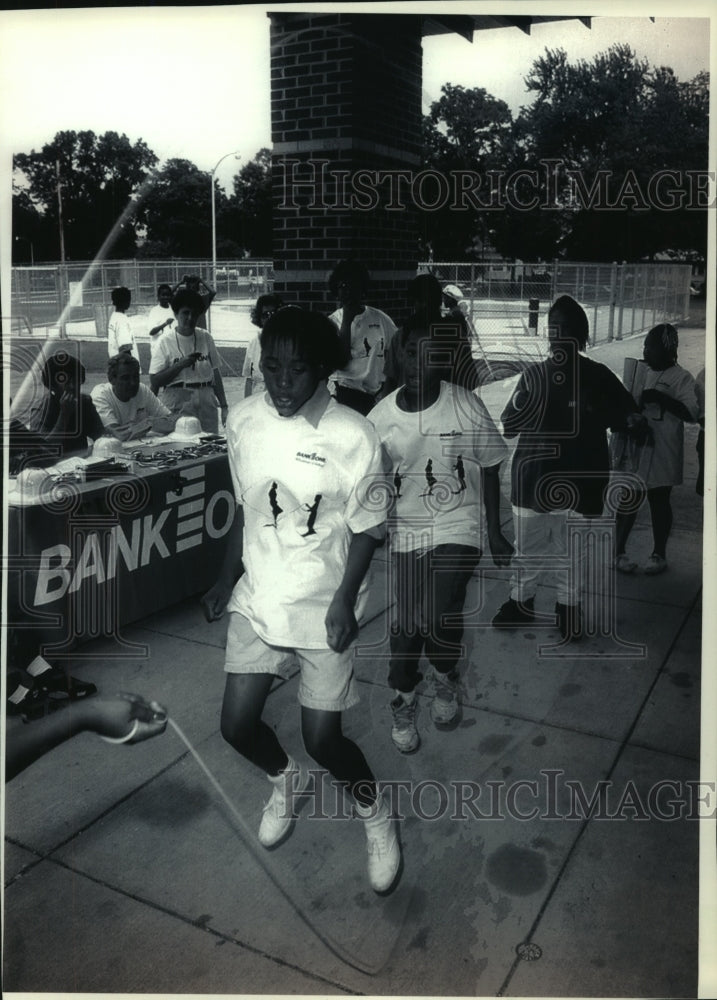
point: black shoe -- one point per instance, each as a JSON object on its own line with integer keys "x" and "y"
{"x": 56, "y": 681}
{"x": 570, "y": 621}
{"x": 515, "y": 615}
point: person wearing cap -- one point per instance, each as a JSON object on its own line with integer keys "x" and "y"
{"x": 185, "y": 365}
{"x": 365, "y": 334}
{"x": 128, "y": 409}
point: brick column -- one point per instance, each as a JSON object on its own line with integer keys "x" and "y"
{"x": 345, "y": 110}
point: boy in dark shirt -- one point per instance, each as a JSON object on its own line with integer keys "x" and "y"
{"x": 560, "y": 410}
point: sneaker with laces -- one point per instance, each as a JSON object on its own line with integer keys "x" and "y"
{"x": 654, "y": 565}
{"x": 278, "y": 813}
{"x": 446, "y": 699}
{"x": 623, "y": 564}
{"x": 403, "y": 732}
{"x": 384, "y": 852}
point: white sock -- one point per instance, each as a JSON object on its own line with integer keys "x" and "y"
{"x": 284, "y": 775}
{"x": 38, "y": 666}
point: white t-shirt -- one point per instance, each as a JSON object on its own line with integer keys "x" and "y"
{"x": 436, "y": 457}
{"x": 119, "y": 332}
{"x": 171, "y": 347}
{"x": 251, "y": 367}
{"x": 303, "y": 482}
{"x": 666, "y": 451}
{"x": 371, "y": 333}
{"x": 158, "y": 315}
{"x": 132, "y": 419}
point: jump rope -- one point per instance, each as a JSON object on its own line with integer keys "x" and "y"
{"x": 247, "y": 836}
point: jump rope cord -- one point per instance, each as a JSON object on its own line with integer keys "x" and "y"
{"x": 248, "y": 838}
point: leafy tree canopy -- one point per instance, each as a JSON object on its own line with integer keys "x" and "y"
{"x": 98, "y": 178}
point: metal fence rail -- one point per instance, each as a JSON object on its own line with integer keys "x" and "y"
{"x": 55, "y": 295}
{"x": 507, "y": 299}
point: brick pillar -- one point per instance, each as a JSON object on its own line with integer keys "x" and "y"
{"x": 345, "y": 110}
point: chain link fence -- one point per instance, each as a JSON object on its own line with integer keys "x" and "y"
{"x": 75, "y": 297}
{"x": 505, "y": 301}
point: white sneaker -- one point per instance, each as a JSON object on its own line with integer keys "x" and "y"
{"x": 623, "y": 564}
{"x": 278, "y": 815}
{"x": 403, "y": 732}
{"x": 444, "y": 706}
{"x": 654, "y": 565}
{"x": 384, "y": 852}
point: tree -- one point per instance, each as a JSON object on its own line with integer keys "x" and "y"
{"x": 246, "y": 219}
{"x": 176, "y": 211}
{"x": 466, "y": 130}
{"x": 614, "y": 124}
{"x": 98, "y": 178}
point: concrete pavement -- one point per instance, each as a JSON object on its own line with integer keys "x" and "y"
{"x": 127, "y": 871}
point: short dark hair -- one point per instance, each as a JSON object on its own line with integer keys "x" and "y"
{"x": 314, "y": 336}
{"x": 426, "y": 288}
{"x": 123, "y": 358}
{"x": 348, "y": 269}
{"x": 121, "y": 296}
{"x": 187, "y": 297}
{"x": 261, "y": 302}
{"x": 60, "y": 367}
{"x": 665, "y": 337}
{"x": 164, "y": 285}
{"x": 576, "y": 326}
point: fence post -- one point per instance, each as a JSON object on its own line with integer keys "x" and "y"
{"x": 611, "y": 313}
{"x": 473, "y": 288}
{"x": 621, "y": 300}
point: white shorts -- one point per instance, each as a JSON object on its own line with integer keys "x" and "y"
{"x": 327, "y": 681}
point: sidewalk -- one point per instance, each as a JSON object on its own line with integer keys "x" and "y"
{"x": 126, "y": 872}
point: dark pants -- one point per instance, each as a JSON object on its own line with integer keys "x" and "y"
{"x": 430, "y": 591}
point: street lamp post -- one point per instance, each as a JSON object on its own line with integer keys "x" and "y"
{"x": 214, "y": 219}
{"x": 32, "y": 249}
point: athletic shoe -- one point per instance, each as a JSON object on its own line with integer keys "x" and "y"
{"x": 654, "y": 565}
{"x": 403, "y": 732}
{"x": 514, "y": 614}
{"x": 278, "y": 815}
{"x": 384, "y": 852}
{"x": 446, "y": 698}
{"x": 625, "y": 565}
{"x": 570, "y": 621}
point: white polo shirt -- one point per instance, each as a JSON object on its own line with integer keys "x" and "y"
{"x": 170, "y": 347}
{"x": 133, "y": 418}
{"x": 436, "y": 457}
{"x": 304, "y": 485}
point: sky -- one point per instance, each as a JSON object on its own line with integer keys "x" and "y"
{"x": 194, "y": 81}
